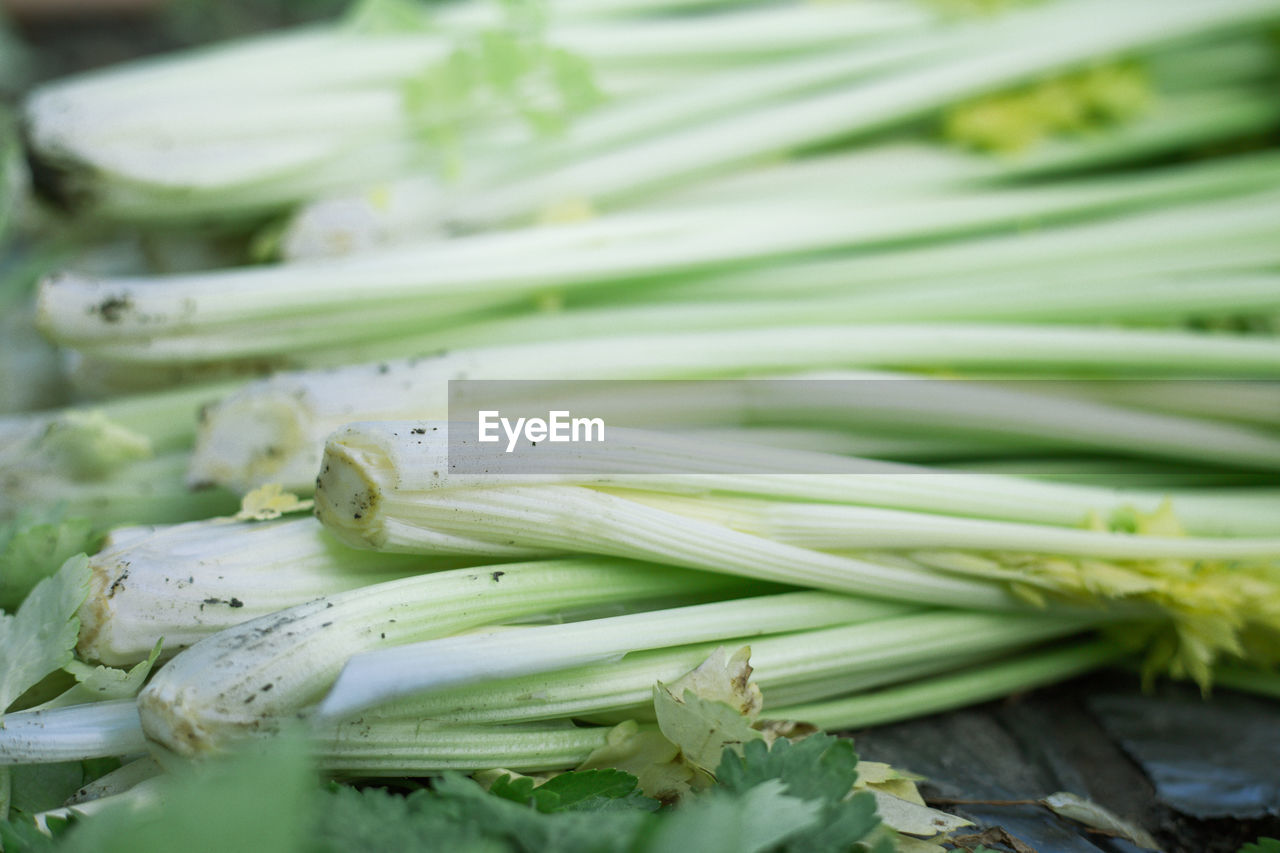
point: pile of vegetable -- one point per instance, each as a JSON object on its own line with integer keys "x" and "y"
{"x": 257, "y": 266}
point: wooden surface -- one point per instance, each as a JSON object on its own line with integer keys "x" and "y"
{"x": 1215, "y": 787}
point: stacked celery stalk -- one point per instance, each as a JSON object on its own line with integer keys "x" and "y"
{"x": 681, "y": 190}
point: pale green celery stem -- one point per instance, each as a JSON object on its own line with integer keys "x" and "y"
{"x": 1238, "y": 60}
{"x": 95, "y": 730}
{"x": 390, "y": 748}
{"x": 520, "y": 521}
{"x": 396, "y": 740}
{"x": 92, "y": 378}
{"x": 901, "y": 168}
{"x": 374, "y": 678}
{"x": 868, "y": 444}
{"x": 302, "y": 146}
{"x": 1018, "y": 47}
{"x": 716, "y": 95}
{"x": 146, "y": 491}
{"x": 118, "y": 781}
{"x": 1068, "y": 297}
{"x": 827, "y": 527}
{"x": 1249, "y": 402}
{"x": 1052, "y": 414}
{"x": 751, "y": 33}
{"x": 415, "y": 747}
{"x": 1096, "y": 471}
{"x": 320, "y": 56}
{"x": 307, "y": 126}
{"x": 831, "y": 655}
{"x": 167, "y": 418}
{"x": 187, "y": 581}
{"x": 273, "y": 430}
{"x": 782, "y": 695}
{"x": 337, "y": 225}
{"x": 468, "y": 273}
{"x": 357, "y": 164}
{"x": 315, "y": 59}
{"x": 146, "y": 794}
{"x": 1203, "y": 237}
{"x": 981, "y": 683}
{"x": 1169, "y": 299}
{"x": 1090, "y": 294}
{"x": 414, "y": 486}
{"x": 1175, "y": 124}
{"x": 827, "y": 686}
{"x": 241, "y": 679}
{"x": 593, "y": 8}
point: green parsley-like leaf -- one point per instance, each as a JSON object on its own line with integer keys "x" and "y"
{"x": 1262, "y": 845}
{"x": 41, "y": 636}
{"x": 374, "y": 820}
{"x": 579, "y": 790}
{"x": 819, "y": 769}
{"x": 587, "y": 790}
{"x": 752, "y": 821}
{"x": 523, "y": 828}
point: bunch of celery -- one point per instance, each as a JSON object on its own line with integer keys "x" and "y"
{"x": 661, "y": 195}
{"x": 249, "y": 129}
{"x": 714, "y": 262}
{"x": 879, "y": 192}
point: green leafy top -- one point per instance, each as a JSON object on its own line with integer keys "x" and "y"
{"x": 1078, "y": 102}
{"x": 766, "y": 802}
{"x": 509, "y": 68}
{"x": 1202, "y": 611}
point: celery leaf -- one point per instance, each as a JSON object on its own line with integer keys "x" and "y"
{"x": 759, "y": 819}
{"x": 41, "y": 636}
{"x": 583, "y": 790}
{"x": 710, "y": 709}
{"x": 34, "y": 545}
{"x": 1262, "y": 845}
{"x": 104, "y": 683}
{"x": 820, "y": 769}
